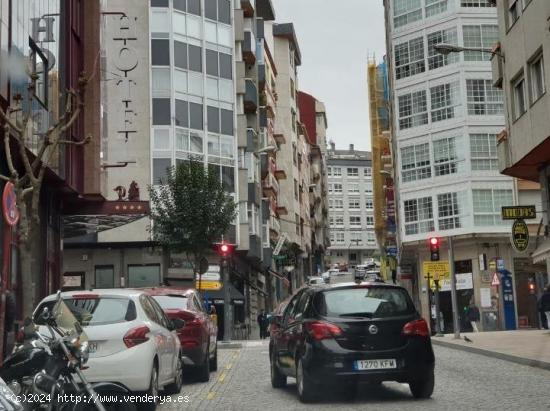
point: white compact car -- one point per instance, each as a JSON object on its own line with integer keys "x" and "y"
{"x": 132, "y": 342}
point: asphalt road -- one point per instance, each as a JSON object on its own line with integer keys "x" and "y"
{"x": 464, "y": 381}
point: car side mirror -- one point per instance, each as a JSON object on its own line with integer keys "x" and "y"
{"x": 178, "y": 323}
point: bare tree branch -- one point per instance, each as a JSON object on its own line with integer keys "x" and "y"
{"x": 7, "y": 149}
{"x": 27, "y": 191}
{"x": 75, "y": 143}
{"x": 4, "y": 178}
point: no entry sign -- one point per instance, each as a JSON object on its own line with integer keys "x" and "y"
{"x": 9, "y": 205}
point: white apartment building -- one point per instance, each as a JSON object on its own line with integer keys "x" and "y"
{"x": 351, "y": 206}
{"x": 446, "y": 116}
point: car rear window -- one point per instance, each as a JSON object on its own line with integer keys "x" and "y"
{"x": 97, "y": 311}
{"x": 171, "y": 302}
{"x": 371, "y": 302}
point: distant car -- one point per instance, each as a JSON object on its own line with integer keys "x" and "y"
{"x": 132, "y": 342}
{"x": 315, "y": 280}
{"x": 346, "y": 333}
{"x": 326, "y": 276}
{"x": 199, "y": 336}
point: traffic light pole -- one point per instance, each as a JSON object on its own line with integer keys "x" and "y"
{"x": 227, "y": 308}
{"x": 438, "y": 330}
{"x": 456, "y": 320}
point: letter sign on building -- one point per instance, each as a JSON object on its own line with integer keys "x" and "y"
{"x": 520, "y": 236}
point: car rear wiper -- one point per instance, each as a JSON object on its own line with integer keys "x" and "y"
{"x": 364, "y": 314}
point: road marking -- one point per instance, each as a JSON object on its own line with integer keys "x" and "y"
{"x": 228, "y": 366}
{"x": 211, "y": 395}
{"x": 222, "y": 377}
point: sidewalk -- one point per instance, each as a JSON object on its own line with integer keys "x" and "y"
{"x": 527, "y": 347}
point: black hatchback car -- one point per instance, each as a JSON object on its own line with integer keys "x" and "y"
{"x": 350, "y": 333}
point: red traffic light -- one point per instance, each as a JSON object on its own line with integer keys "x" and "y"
{"x": 434, "y": 241}
{"x": 224, "y": 249}
{"x": 434, "y": 248}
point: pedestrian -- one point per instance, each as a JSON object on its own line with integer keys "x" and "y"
{"x": 473, "y": 316}
{"x": 261, "y": 324}
{"x": 544, "y": 304}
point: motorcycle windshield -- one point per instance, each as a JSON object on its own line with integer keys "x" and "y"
{"x": 67, "y": 322}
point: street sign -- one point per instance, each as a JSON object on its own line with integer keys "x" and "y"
{"x": 279, "y": 245}
{"x": 210, "y": 285}
{"x": 9, "y": 205}
{"x": 519, "y": 212}
{"x": 492, "y": 265}
{"x": 520, "y": 236}
{"x": 495, "y": 282}
{"x": 500, "y": 264}
{"x": 436, "y": 269}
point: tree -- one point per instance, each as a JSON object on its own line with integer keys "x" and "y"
{"x": 191, "y": 210}
{"x": 29, "y": 153}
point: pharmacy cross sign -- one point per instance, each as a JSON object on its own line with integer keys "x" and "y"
{"x": 9, "y": 205}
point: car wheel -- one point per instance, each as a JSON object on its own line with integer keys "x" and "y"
{"x": 204, "y": 368}
{"x": 278, "y": 379}
{"x": 175, "y": 387}
{"x": 307, "y": 390}
{"x": 214, "y": 360}
{"x": 153, "y": 391}
{"x": 423, "y": 388}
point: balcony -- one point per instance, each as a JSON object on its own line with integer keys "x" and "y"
{"x": 281, "y": 209}
{"x": 264, "y": 166}
{"x": 250, "y": 97}
{"x": 249, "y": 48}
{"x": 279, "y": 138}
{"x": 280, "y": 174}
{"x": 274, "y": 225}
{"x": 270, "y": 186}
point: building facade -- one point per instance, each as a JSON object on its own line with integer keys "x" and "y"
{"x": 351, "y": 207}
{"x": 524, "y": 148}
{"x": 446, "y": 116}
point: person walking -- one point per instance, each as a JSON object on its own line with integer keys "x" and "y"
{"x": 473, "y": 316}
{"x": 544, "y": 304}
{"x": 261, "y": 324}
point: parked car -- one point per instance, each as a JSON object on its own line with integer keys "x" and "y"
{"x": 131, "y": 341}
{"x": 199, "y": 336}
{"x": 315, "y": 280}
{"x": 348, "y": 333}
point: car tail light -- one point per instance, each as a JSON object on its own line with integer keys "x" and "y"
{"x": 416, "y": 327}
{"x": 136, "y": 336}
{"x": 320, "y": 330}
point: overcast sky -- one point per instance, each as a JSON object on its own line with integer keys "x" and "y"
{"x": 335, "y": 39}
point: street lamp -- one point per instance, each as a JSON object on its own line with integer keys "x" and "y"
{"x": 268, "y": 149}
{"x": 446, "y": 49}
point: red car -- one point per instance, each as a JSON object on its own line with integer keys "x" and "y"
{"x": 199, "y": 335}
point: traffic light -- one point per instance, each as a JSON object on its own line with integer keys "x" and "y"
{"x": 434, "y": 248}
{"x": 224, "y": 249}
{"x": 532, "y": 286}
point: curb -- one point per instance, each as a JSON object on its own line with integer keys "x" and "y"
{"x": 229, "y": 345}
{"x": 493, "y": 354}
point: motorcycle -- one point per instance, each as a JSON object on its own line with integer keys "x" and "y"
{"x": 8, "y": 400}
{"x": 45, "y": 373}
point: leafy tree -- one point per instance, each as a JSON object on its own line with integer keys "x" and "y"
{"x": 191, "y": 210}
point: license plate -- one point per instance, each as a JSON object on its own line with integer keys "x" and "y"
{"x": 374, "y": 364}
{"x": 92, "y": 347}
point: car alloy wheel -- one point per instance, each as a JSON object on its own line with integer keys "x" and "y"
{"x": 176, "y": 386}
{"x": 307, "y": 390}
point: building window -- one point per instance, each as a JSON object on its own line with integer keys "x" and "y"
{"x": 436, "y": 59}
{"x": 370, "y": 221}
{"x": 536, "y": 74}
{"x": 160, "y": 52}
{"x": 409, "y": 58}
{"x": 483, "y": 152}
{"x": 356, "y": 238}
{"x": 415, "y": 162}
{"x": 104, "y": 276}
{"x": 338, "y": 203}
{"x": 159, "y": 3}
{"x": 353, "y": 188}
{"x": 340, "y": 237}
{"x": 518, "y": 96}
{"x": 406, "y": 12}
{"x": 144, "y": 276}
{"x": 444, "y": 101}
{"x": 296, "y": 189}
{"x": 337, "y": 188}
{"x": 367, "y": 171}
{"x": 337, "y": 172}
{"x": 160, "y": 169}
{"x": 483, "y": 98}
{"x": 161, "y": 112}
{"x": 355, "y": 221}
{"x": 353, "y": 257}
{"x": 354, "y": 203}
{"x": 479, "y": 36}
{"x": 476, "y": 3}
{"x": 445, "y": 158}
{"x": 418, "y": 216}
{"x": 448, "y": 211}
{"x": 413, "y": 110}
{"x": 329, "y": 171}
{"x": 488, "y": 204}
{"x": 513, "y": 12}
{"x": 353, "y": 172}
{"x": 336, "y": 221}
{"x": 369, "y": 204}
{"x": 434, "y": 7}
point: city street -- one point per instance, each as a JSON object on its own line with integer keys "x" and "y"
{"x": 463, "y": 381}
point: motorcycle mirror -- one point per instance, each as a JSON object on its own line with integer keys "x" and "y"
{"x": 58, "y": 295}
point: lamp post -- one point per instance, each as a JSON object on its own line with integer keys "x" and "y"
{"x": 446, "y": 49}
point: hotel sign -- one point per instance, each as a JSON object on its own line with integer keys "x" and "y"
{"x": 520, "y": 236}
{"x": 519, "y": 212}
